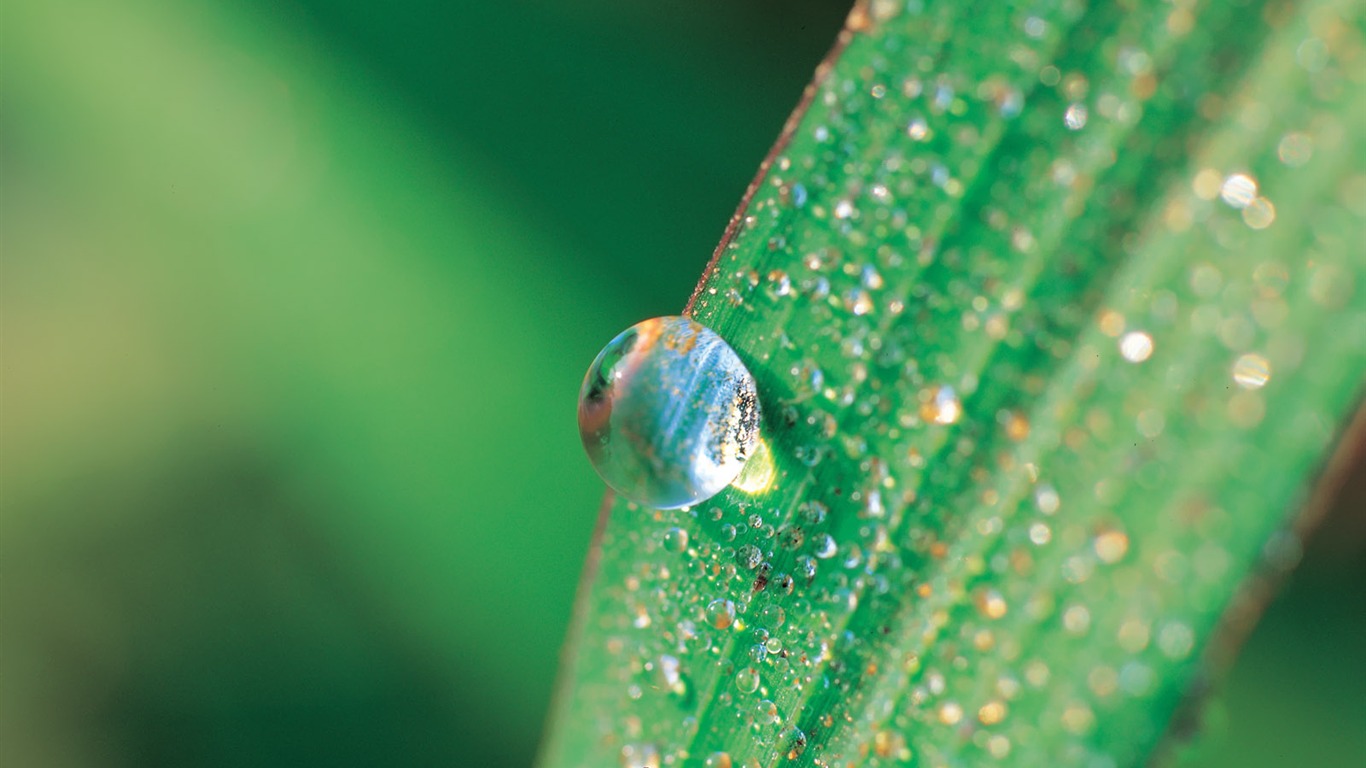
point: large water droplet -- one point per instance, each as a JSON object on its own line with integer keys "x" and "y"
{"x": 668, "y": 413}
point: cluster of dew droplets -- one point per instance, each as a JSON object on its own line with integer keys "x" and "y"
{"x": 945, "y": 568}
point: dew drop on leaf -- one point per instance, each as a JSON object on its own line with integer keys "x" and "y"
{"x": 675, "y": 539}
{"x": 794, "y": 741}
{"x": 721, "y": 613}
{"x": 749, "y": 556}
{"x": 668, "y": 413}
{"x": 766, "y": 713}
{"x": 747, "y": 680}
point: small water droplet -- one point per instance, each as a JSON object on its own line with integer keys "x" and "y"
{"x": 758, "y": 653}
{"x": 783, "y": 583}
{"x": 812, "y": 512}
{"x": 1075, "y": 117}
{"x": 675, "y": 539}
{"x": 721, "y": 613}
{"x": 747, "y": 680}
{"x": 749, "y": 557}
{"x": 1047, "y": 499}
{"x": 950, "y": 712}
{"x": 774, "y": 615}
{"x": 1295, "y": 149}
{"x": 942, "y": 406}
{"x": 717, "y": 760}
{"x": 1238, "y": 190}
{"x": 1259, "y": 214}
{"x": 1176, "y": 640}
{"x": 781, "y": 282}
{"x": 1111, "y": 546}
{"x": 859, "y": 302}
{"x": 1136, "y": 346}
{"x": 766, "y": 712}
{"x": 1251, "y": 371}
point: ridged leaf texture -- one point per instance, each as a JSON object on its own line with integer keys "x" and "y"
{"x": 1056, "y": 311}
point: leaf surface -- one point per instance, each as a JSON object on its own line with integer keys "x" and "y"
{"x": 1056, "y": 312}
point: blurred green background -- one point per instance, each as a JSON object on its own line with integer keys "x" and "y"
{"x": 296, "y": 301}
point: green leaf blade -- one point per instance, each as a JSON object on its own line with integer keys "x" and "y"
{"x": 998, "y": 341}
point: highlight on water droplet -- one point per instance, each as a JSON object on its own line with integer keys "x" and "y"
{"x": 668, "y": 413}
{"x": 758, "y": 472}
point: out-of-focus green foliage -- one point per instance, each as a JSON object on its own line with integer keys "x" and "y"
{"x": 296, "y": 299}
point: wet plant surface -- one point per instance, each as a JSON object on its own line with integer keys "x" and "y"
{"x": 1055, "y": 315}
